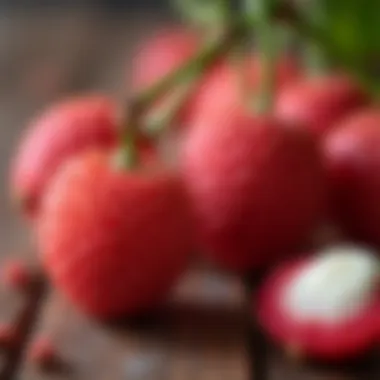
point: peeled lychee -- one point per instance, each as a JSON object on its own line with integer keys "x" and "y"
{"x": 114, "y": 241}
{"x": 257, "y": 187}
{"x": 326, "y": 306}
{"x": 352, "y": 155}
{"x": 318, "y": 103}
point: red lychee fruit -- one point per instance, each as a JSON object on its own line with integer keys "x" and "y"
{"x": 352, "y": 155}
{"x": 257, "y": 187}
{"x": 61, "y": 131}
{"x": 222, "y": 87}
{"x": 318, "y": 103}
{"x": 326, "y": 306}
{"x": 114, "y": 241}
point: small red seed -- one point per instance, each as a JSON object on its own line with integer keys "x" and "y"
{"x": 16, "y": 275}
{"x": 42, "y": 352}
{"x": 8, "y": 336}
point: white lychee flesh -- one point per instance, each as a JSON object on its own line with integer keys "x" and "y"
{"x": 337, "y": 284}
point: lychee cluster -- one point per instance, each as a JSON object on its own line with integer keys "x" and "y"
{"x": 249, "y": 189}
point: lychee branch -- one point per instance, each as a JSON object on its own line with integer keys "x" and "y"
{"x": 240, "y": 27}
{"x": 209, "y": 15}
{"x": 189, "y": 72}
{"x": 314, "y": 57}
{"x": 267, "y": 44}
{"x": 196, "y": 65}
{"x": 163, "y": 119}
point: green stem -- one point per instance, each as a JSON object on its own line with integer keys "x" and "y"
{"x": 164, "y": 118}
{"x": 204, "y": 14}
{"x": 190, "y": 71}
{"x": 128, "y": 156}
{"x": 267, "y": 47}
{"x": 238, "y": 60}
{"x": 315, "y": 58}
{"x": 201, "y": 61}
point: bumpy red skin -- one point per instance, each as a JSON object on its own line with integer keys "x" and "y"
{"x": 313, "y": 338}
{"x": 353, "y": 161}
{"x": 114, "y": 242}
{"x": 221, "y": 88}
{"x": 166, "y": 51}
{"x": 258, "y": 188}
{"x": 60, "y": 132}
{"x": 318, "y": 103}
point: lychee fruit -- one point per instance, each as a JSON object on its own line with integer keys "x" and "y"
{"x": 114, "y": 241}
{"x": 318, "y": 103}
{"x": 59, "y": 132}
{"x": 326, "y": 305}
{"x": 352, "y": 159}
{"x": 257, "y": 187}
{"x": 223, "y": 87}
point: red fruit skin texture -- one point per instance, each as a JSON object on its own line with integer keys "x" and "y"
{"x": 60, "y": 132}
{"x": 318, "y": 103}
{"x": 257, "y": 188}
{"x": 222, "y": 88}
{"x": 352, "y": 156}
{"x": 166, "y": 51}
{"x": 314, "y": 339}
{"x": 114, "y": 242}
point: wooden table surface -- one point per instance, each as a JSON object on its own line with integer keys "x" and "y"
{"x": 202, "y": 333}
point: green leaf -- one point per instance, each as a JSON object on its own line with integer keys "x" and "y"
{"x": 353, "y": 26}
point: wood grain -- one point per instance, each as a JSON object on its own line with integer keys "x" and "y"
{"x": 183, "y": 340}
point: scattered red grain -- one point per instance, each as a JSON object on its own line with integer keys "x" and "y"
{"x": 8, "y": 335}
{"x": 42, "y": 352}
{"x": 17, "y": 275}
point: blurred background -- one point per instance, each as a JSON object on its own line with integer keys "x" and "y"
{"x": 53, "y": 48}
{"x": 103, "y": 3}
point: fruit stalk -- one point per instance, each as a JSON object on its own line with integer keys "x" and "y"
{"x": 189, "y": 72}
{"x": 264, "y": 27}
{"x": 196, "y": 65}
{"x": 163, "y": 119}
{"x": 208, "y": 15}
{"x": 314, "y": 55}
